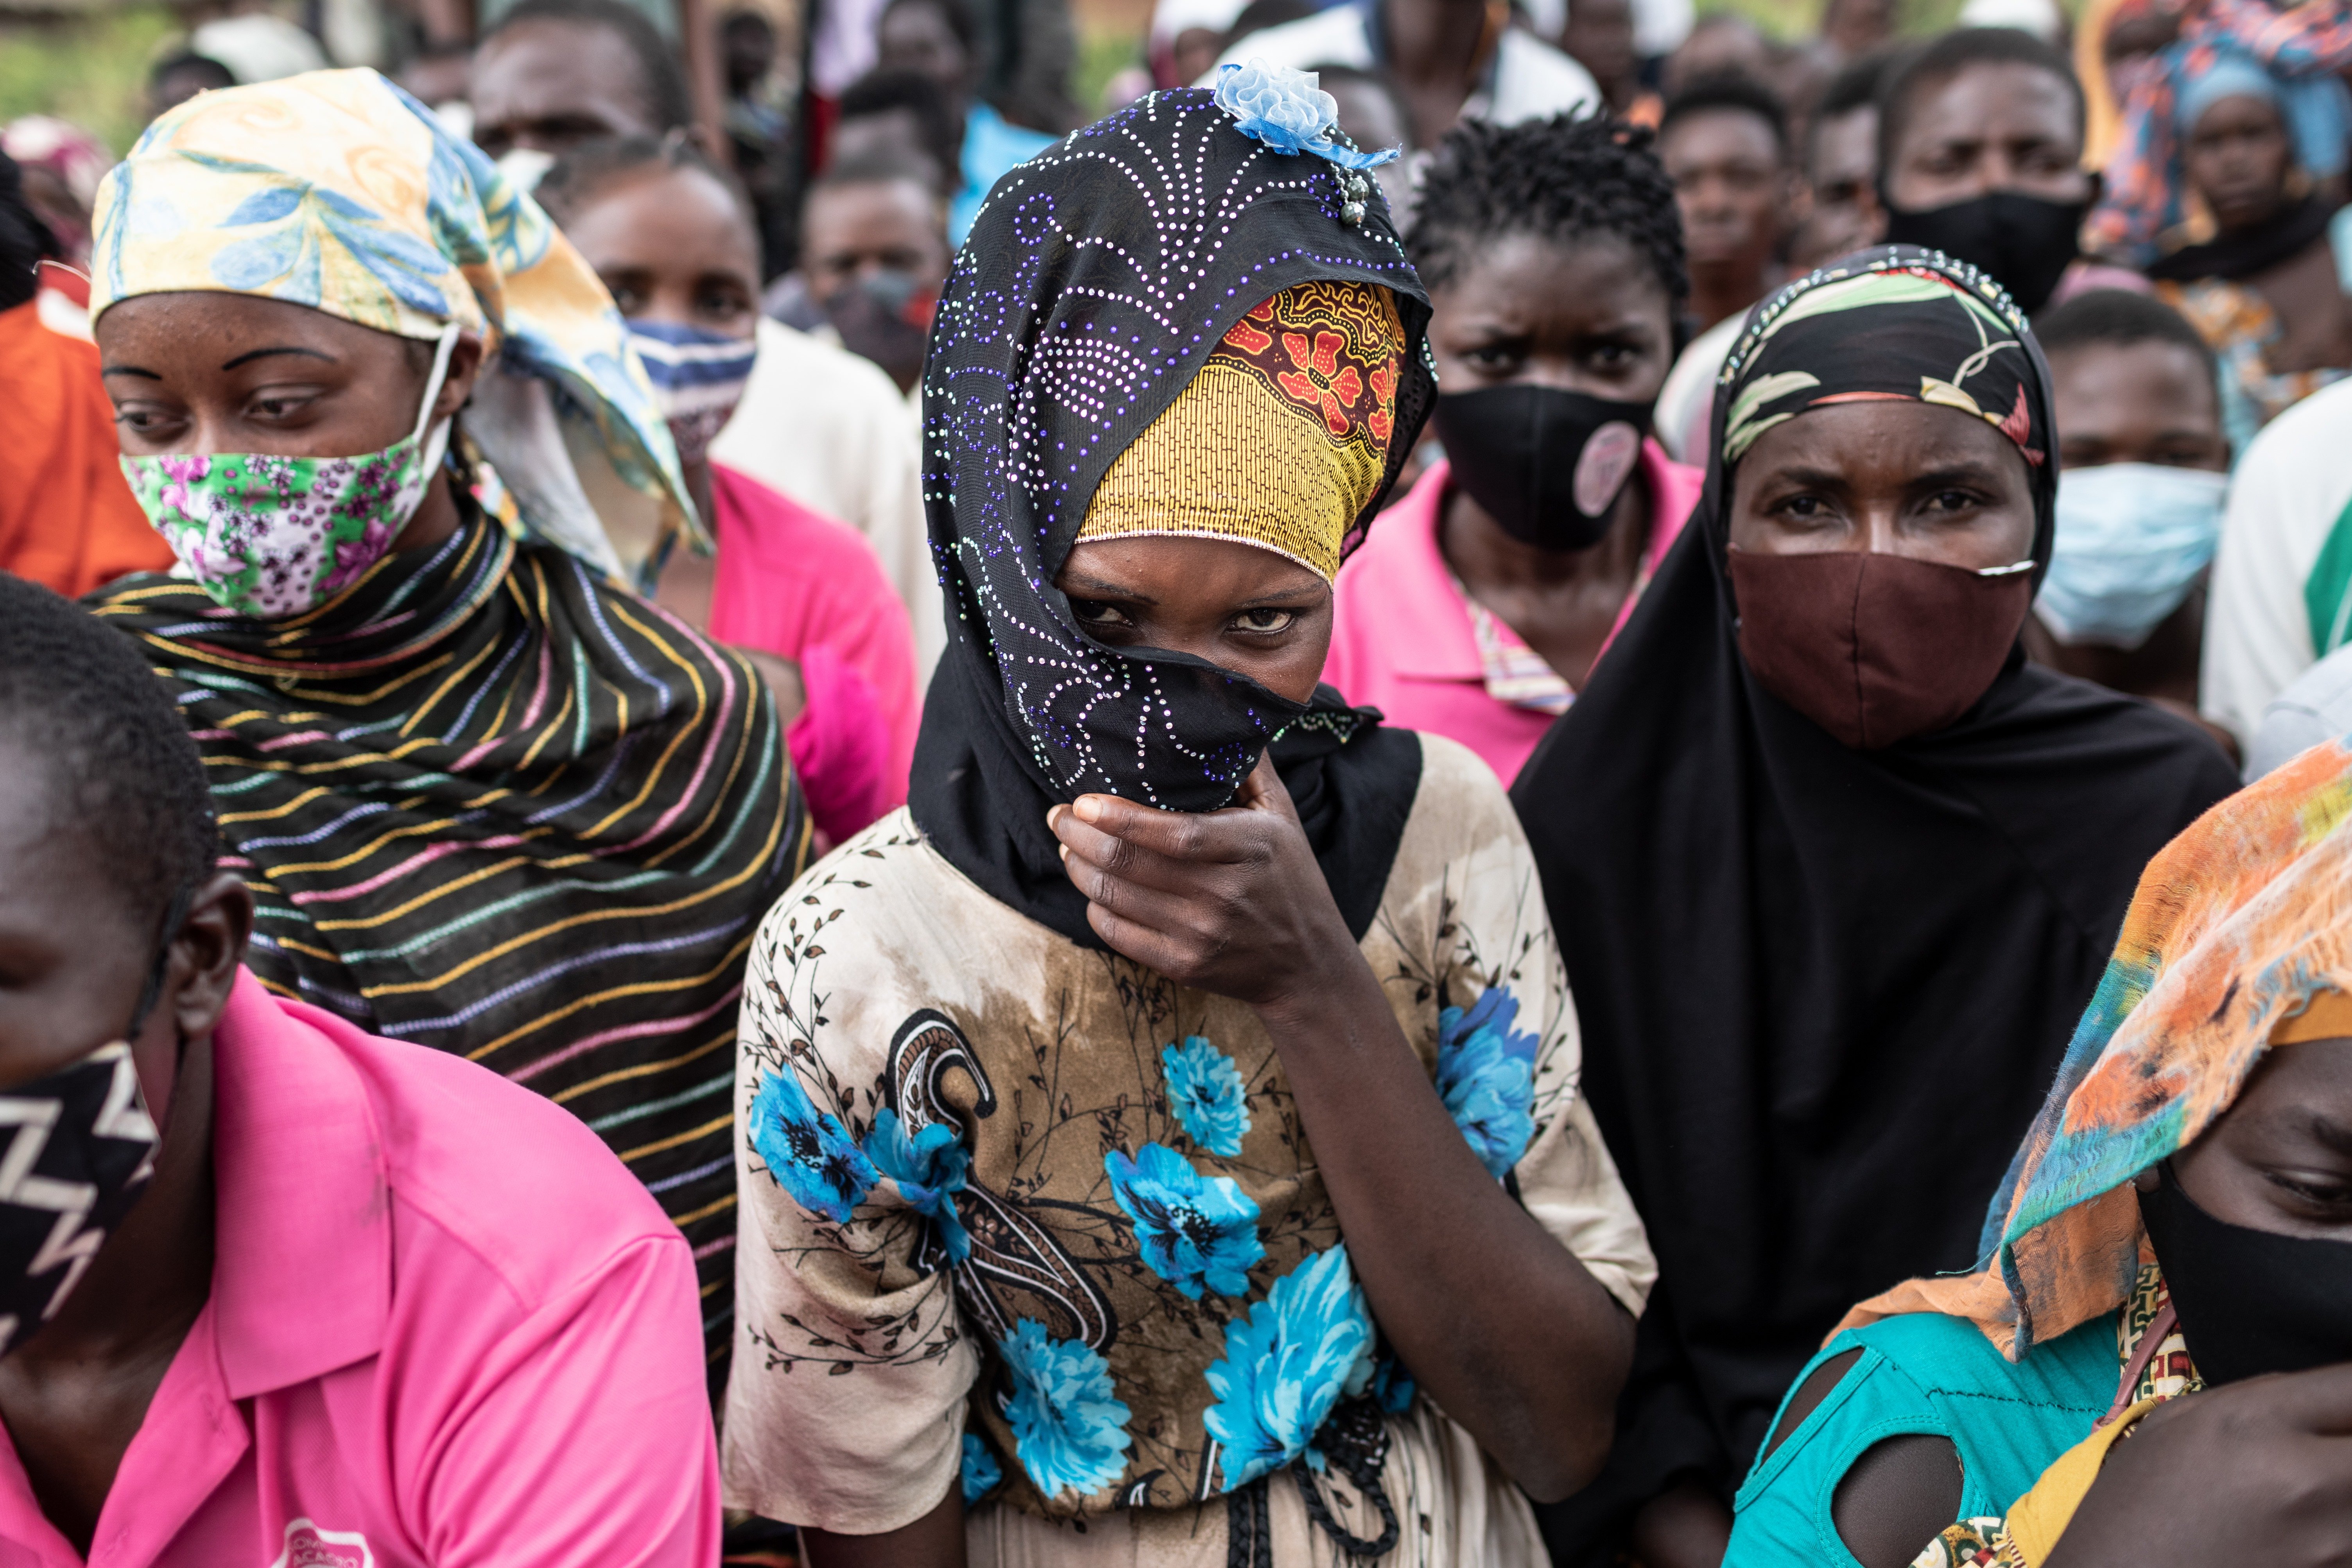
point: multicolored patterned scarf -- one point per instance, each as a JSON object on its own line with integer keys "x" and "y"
{"x": 2238, "y": 924}
{"x": 1805, "y": 349}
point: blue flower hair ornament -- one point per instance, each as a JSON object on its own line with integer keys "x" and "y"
{"x": 1286, "y": 110}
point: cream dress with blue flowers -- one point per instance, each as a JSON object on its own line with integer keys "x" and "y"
{"x": 1032, "y": 1221}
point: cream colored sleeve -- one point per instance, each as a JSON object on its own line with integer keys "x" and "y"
{"x": 845, "y": 1404}
{"x": 1566, "y": 1178}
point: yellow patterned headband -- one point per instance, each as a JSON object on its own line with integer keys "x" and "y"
{"x": 1282, "y": 437}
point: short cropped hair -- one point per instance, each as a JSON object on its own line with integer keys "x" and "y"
{"x": 186, "y": 63}
{"x": 573, "y": 181}
{"x": 888, "y": 91}
{"x": 2120, "y": 318}
{"x": 1729, "y": 92}
{"x": 959, "y": 18}
{"x": 1939, "y": 62}
{"x": 661, "y": 80}
{"x": 1562, "y": 179}
{"x": 78, "y": 695}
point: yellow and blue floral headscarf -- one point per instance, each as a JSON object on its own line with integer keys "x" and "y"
{"x": 338, "y": 191}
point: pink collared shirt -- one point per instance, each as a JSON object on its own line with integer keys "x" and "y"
{"x": 1402, "y": 638}
{"x": 447, "y": 1328}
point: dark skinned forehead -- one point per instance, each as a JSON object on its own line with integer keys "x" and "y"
{"x": 1933, "y": 105}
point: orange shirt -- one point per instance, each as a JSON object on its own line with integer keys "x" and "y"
{"x": 67, "y": 516}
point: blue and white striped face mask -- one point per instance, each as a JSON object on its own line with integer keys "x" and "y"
{"x": 698, "y": 377}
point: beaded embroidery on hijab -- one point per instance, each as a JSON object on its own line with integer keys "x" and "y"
{"x": 1098, "y": 280}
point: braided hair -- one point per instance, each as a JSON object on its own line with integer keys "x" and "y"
{"x": 1563, "y": 179}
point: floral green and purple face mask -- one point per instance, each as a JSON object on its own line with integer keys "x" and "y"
{"x": 272, "y": 537}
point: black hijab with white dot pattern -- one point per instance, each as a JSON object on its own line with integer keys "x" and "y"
{"x": 1097, "y": 279}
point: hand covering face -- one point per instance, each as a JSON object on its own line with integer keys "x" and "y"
{"x": 1100, "y": 279}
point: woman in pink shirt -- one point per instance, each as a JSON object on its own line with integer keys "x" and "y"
{"x": 1554, "y": 262}
{"x": 799, "y": 592}
{"x": 274, "y": 1289}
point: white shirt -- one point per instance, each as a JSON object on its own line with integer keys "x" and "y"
{"x": 828, "y": 429}
{"x": 2288, "y": 489}
{"x": 1528, "y": 79}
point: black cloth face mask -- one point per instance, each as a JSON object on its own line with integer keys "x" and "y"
{"x": 77, "y": 1148}
{"x": 2251, "y": 1301}
{"x": 2025, "y": 243}
{"x": 1547, "y": 464}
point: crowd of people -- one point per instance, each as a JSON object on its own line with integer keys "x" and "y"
{"x": 1504, "y": 783}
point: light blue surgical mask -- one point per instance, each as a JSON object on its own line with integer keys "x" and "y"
{"x": 2132, "y": 538}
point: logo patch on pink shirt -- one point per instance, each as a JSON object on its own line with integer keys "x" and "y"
{"x": 308, "y": 1546}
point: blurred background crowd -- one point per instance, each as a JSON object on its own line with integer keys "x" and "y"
{"x": 1596, "y": 194}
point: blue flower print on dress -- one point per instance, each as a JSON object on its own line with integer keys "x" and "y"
{"x": 1068, "y": 1428}
{"x": 1193, "y": 1230}
{"x": 811, "y": 1158}
{"x": 1487, "y": 1076}
{"x": 929, "y": 1168}
{"x": 1288, "y": 111}
{"x": 1392, "y": 1386}
{"x": 980, "y": 1473}
{"x": 1206, "y": 1092}
{"x": 1287, "y": 1364}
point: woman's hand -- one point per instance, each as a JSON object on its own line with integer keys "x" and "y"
{"x": 1229, "y": 901}
{"x": 1233, "y": 902}
{"x": 2259, "y": 1472}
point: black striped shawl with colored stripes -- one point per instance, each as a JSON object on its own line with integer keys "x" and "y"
{"x": 490, "y": 802}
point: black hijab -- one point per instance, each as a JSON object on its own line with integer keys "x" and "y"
{"x": 1096, "y": 280}
{"x": 1823, "y": 989}
{"x": 2284, "y": 235}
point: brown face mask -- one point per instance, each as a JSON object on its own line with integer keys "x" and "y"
{"x": 1874, "y": 648}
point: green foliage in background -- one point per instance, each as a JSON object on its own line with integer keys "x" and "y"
{"x": 89, "y": 69}
{"x": 1102, "y": 53}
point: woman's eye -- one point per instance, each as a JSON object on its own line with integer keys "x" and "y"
{"x": 1494, "y": 359}
{"x": 1951, "y": 500}
{"x": 627, "y": 300}
{"x": 1094, "y": 613}
{"x": 1264, "y": 621}
{"x": 1806, "y": 508}
{"x": 2320, "y": 1191}
{"x": 280, "y": 407}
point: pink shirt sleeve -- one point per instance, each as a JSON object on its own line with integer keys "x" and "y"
{"x": 579, "y": 1438}
{"x": 790, "y": 580}
{"x": 840, "y": 747}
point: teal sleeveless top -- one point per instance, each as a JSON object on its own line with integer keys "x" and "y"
{"x": 1923, "y": 1373}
